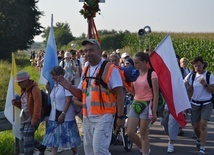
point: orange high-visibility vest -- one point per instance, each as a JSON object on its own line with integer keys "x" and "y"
{"x": 102, "y": 100}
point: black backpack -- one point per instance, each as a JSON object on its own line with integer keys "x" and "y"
{"x": 98, "y": 78}
{"x": 130, "y": 73}
{"x": 161, "y": 101}
{"x": 46, "y": 106}
{"x": 208, "y": 82}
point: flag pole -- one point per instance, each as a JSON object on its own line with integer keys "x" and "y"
{"x": 50, "y": 59}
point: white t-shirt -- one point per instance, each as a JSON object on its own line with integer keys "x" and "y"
{"x": 114, "y": 81}
{"x": 200, "y": 93}
{"x": 58, "y": 97}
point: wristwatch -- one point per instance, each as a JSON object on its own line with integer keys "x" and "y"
{"x": 63, "y": 112}
{"x": 121, "y": 117}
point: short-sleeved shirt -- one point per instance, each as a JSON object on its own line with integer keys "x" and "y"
{"x": 58, "y": 98}
{"x": 200, "y": 93}
{"x": 114, "y": 81}
{"x": 142, "y": 89}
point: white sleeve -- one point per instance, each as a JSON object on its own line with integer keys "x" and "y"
{"x": 187, "y": 78}
{"x": 60, "y": 63}
{"x": 115, "y": 79}
{"x": 67, "y": 93}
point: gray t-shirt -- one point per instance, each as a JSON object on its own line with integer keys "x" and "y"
{"x": 25, "y": 115}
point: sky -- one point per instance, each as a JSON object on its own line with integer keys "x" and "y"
{"x": 132, "y": 15}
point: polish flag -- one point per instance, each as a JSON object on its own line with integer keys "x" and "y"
{"x": 165, "y": 64}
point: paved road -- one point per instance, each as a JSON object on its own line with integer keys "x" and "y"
{"x": 185, "y": 145}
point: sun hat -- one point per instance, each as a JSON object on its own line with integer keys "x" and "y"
{"x": 124, "y": 55}
{"x": 67, "y": 55}
{"x": 22, "y": 76}
{"x": 91, "y": 41}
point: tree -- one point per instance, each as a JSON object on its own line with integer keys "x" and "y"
{"x": 62, "y": 34}
{"x": 19, "y": 25}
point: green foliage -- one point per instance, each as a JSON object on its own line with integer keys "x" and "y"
{"x": 5, "y": 69}
{"x": 186, "y": 45}
{"x": 23, "y": 64}
{"x": 62, "y": 34}
{"x": 195, "y": 44}
{"x": 40, "y": 132}
{"x": 19, "y": 24}
{"x": 7, "y": 139}
{"x": 6, "y": 142}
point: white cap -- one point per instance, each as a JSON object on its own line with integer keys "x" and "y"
{"x": 124, "y": 55}
{"x": 67, "y": 55}
{"x": 118, "y": 51}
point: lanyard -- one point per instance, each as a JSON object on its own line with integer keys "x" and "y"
{"x": 91, "y": 77}
{"x": 88, "y": 80}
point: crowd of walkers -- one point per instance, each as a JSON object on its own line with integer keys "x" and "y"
{"x": 79, "y": 83}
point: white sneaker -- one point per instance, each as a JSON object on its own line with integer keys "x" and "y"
{"x": 170, "y": 148}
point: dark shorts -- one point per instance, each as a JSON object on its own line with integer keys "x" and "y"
{"x": 201, "y": 112}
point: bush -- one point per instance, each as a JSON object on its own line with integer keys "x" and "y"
{"x": 5, "y": 69}
{"x": 6, "y": 143}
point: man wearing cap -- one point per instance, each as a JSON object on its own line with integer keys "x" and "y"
{"x": 99, "y": 104}
{"x": 30, "y": 104}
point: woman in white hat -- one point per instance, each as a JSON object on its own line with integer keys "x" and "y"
{"x": 68, "y": 66}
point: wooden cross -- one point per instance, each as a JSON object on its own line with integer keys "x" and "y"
{"x": 92, "y": 30}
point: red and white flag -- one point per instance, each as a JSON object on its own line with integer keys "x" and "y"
{"x": 165, "y": 64}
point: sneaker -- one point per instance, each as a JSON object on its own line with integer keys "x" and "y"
{"x": 201, "y": 152}
{"x": 198, "y": 144}
{"x": 170, "y": 148}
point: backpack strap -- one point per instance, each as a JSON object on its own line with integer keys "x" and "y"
{"x": 63, "y": 63}
{"x": 193, "y": 77}
{"x": 149, "y": 77}
{"x": 98, "y": 79}
{"x": 208, "y": 77}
